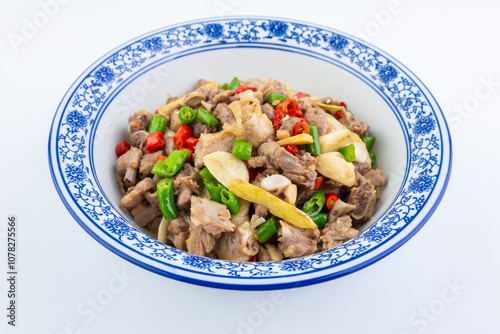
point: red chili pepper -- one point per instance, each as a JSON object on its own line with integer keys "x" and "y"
{"x": 300, "y": 95}
{"x": 295, "y": 112}
{"x": 252, "y": 258}
{"x": 182, "y": 134}
{"x": 251, "y": 175}
{"x": 338, "y": 115}
{"x": 319, "y": 181}
{"x": 292, "y": 148}
{"x": 342, "y": 104}
{"x": 272, "y": 239}
{"x": 331, "y": 198}
{"x": 191, "y": 142}
{"x": 122, "y": 148}
{"x": 277, "y": 120}
{"x": 191, "y": 150}
{"x": 242, "y": 88}
{"x": 155, "y": 141}
{"x": 161, "y": 158}
{"x": 301, "y": 127}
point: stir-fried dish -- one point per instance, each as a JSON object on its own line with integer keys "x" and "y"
{"x": 249, "y": 171}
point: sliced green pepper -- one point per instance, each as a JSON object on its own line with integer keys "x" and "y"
{"x": 234, "y": 84}
{"x": 273, "y": 96}
{"x": 314, "y": 205}
{"x": 157, "y": 124}
{"x": 224, "y": 86}
{"x": 368, "y": 141}
{"x": 373, "y": 158}
{"x": 207, "y": 177}
{"x": 170, "y": 166}
{"x": 242, "y": 150}
{"x": 215, "y": 191}
{"x": 314, "y": 148}
{"x": 349, "y": 152}
{"x": 320, "y": 219}
{"x": 187, "y": 115}
{"x": 230, "y": 200}
{"x": 206, "y": 117}
{"x": 166, "y": 198}
{"x": 267, "y": 229}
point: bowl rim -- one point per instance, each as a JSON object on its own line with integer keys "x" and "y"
{"x": 249, "y": 283}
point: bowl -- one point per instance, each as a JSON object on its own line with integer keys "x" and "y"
{"x": 413, "y": 142}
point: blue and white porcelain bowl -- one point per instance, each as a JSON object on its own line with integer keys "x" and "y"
{"x": 413, "y": 143}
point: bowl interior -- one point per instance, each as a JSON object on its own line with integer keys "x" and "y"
{"x": 148, "y": 90}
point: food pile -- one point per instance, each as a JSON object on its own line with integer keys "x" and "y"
{"x": 249, "y": 171}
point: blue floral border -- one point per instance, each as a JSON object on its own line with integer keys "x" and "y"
{"x": 87, "y": 100}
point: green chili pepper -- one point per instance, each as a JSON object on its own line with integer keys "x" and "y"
{"x": 157, "y": 124}
{"x": 368, "y": 141}
{"x": 170, "y": 166}
{"x": 215, "y": 191}
{"x": 224, "y": 86}
{"x": 373, "y": 157}
{"x": 166, "y": 198}
{"x": 242, "y": 150}
{"x": 276, "y": 96}
{"x": 349, "y": 152}
{"x": 187, "y": 115}
{"x": 206, "y": 117}
{"x": 230, "y": 200}
{"x": 320, "y": 219}
{"x": 314, "y": 148}
{"x": 314, "y": 205}
{"x": 234, "y": 84}
{"x": 267, "y": 229}
{"x": 207, "y": 177}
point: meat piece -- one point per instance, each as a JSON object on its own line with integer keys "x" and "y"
{"x": 209, "y": 220}
{"x": 335, "y": 233}
{"x": 139, "y": 121}
{"x": 288, "y": 124}
{"x": 194, "y": 99}
{"x": 207, "y": 105}
{"x": 363, "y": 197}
{"x": 239, "y": 245}
{"x": 317, "y": 117}
{"x": 185, "y": 185}
{"x": 152, "y": 198}
{"x": 223, "y": 97}
{"x": 145, "y": 213}
{"x": 258, "y": 162}
{"x": 148, "y": 160}
{"x": 359, "y": 127}
{"x": 212, "y": 142}
{"x": 258, "y": 129}
{"x": 175, "y": 121}
{"x": 340, "y": 208}
{"x": 155, "y": 224}
{"x": 138, "y": 139}
{"x": 303, "y": 195}
{"x": 199, "y": 127}
{"x": 377, "y": 178}
{"x": 267, "y": 86}
{"x": 178, "y": 231}
{"x": 200, "y": 83}
{"x": 128, "y": 164}
{"x": 299, "y": 168}
{"x": 303, "y": 103}
{"x": 169, "y": 145}
{"x": 224, "y": 114}
{"x": 295, "y": 241}
{"x": 134, "y": 194}
{"x": 362, "y": 167}
{"x": 268, "y": 110}
{"x": 269, "y": 252}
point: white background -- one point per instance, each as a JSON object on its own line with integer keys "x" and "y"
{"x": 452, "y": 46}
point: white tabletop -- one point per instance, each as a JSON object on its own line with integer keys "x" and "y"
{"x": 444, "y": 280}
